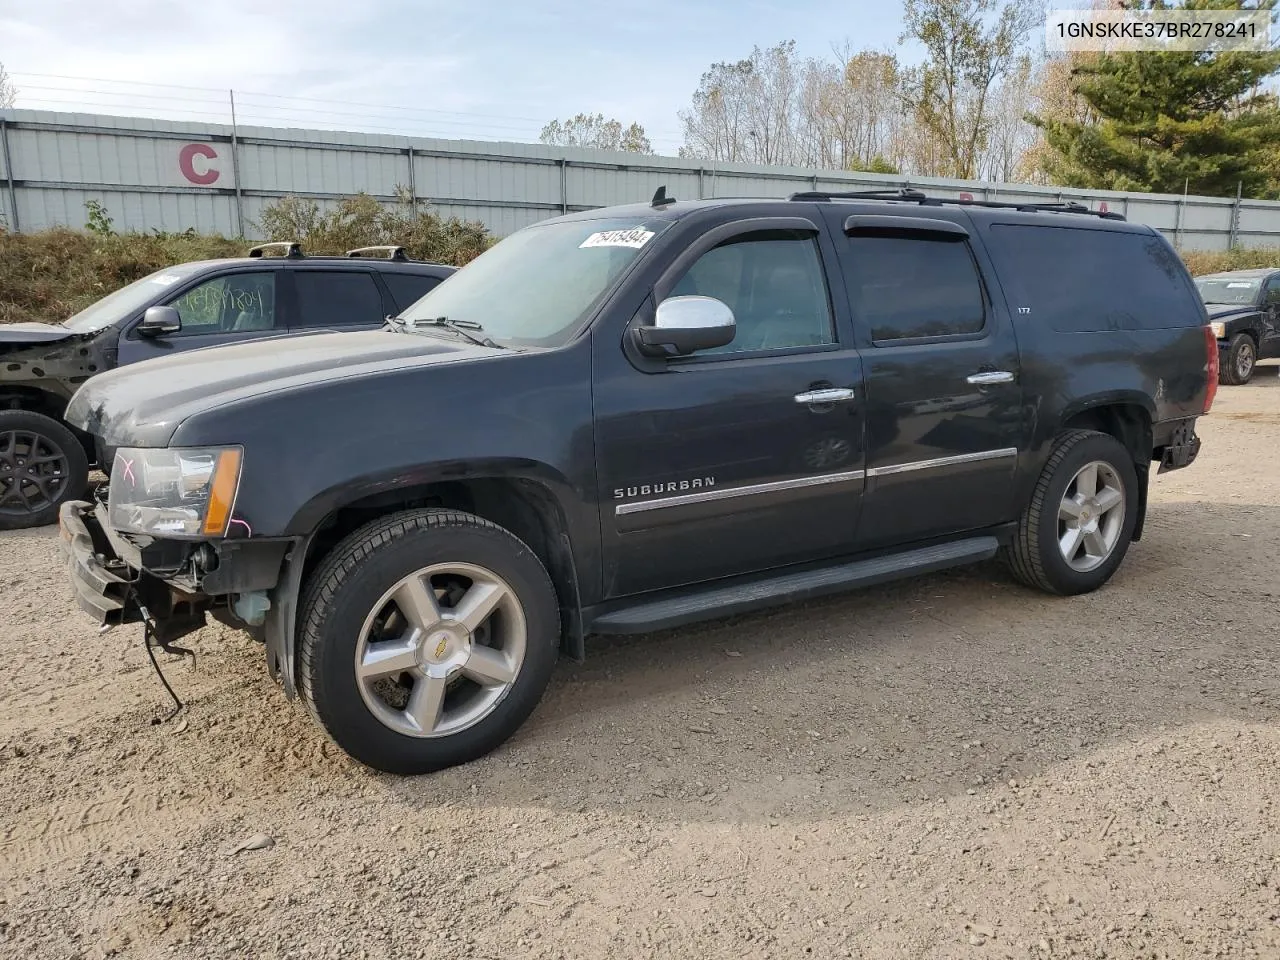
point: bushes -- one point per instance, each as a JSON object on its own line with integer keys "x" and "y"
{"x": 361, "y": 221}
{"x": 54, "y": 273}
{"x": 1202, "y": 263}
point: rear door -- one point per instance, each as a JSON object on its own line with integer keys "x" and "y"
{"x": 224, "y": 308}
{"x": 332, "y": 298}
{"x": 940, "y": 362}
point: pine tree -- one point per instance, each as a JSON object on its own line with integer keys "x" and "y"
{"x": 1169, "y": 121}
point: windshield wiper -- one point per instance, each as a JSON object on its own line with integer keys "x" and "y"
{"x": 460, "y": 327}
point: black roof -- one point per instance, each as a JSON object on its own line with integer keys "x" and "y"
{"x": 664, "y": 207}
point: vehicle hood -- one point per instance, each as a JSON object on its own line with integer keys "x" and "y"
{"x": 32, "y": 333}
{"x": 1221, "y": 311}
{"x": 142, "y": 404}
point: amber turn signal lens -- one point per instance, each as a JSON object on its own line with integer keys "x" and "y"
{"x": 222, "y": 493}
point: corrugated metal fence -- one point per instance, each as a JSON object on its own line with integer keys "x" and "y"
{"x": 165, "y": 175}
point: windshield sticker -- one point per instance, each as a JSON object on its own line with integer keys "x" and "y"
{"x": 166, "y": 279}
{"x": 1236, "y": 283}
{"x": 636, "y": 238}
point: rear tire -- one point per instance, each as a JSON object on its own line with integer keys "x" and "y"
{"x": 1072, "y": 538}
{"x": 42, "y": 466}
{"x": 427, "y": 638}
{"x": 1241, "y": 361}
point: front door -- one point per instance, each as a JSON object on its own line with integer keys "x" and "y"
{"x": 1270, "y": 346}
{"x": 228, "y": 308}
{"x": 940, "y": 359}
{"x": 734, "y": 460}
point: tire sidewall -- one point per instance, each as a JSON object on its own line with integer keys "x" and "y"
{"x": 1240, "y": 342}
{"x": 334, "y": 695}
{"x": 1060, "y": 574}
{"x": 77, "y": 479}
{"x": 1246, "y": 343}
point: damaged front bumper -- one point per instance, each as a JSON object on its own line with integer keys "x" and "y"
{"x": 173, "y": 584}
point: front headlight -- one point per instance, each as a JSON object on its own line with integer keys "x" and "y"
{"x": 1219, "y": 329}
{"x": 180, "y": 492}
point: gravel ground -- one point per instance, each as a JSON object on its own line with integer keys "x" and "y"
{"x": 949, "y": 767}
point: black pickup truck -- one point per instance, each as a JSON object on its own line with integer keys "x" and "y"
{"x": 639, "y": 417}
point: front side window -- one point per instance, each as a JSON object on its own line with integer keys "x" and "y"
{"x": 1273, "y": 292}
{"x": 907, "y": 288}
{"x": 775, "y": 286}
{"x": 128, "y": 300}
{"x": 539, "y": 285}
{"x": 337, "y": 298}
{"x": 232, "y": 303}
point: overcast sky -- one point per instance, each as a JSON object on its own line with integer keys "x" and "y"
{"x": 489, "y": 69}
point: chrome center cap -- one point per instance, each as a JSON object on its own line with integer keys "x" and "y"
{"x": 444, "y": 649}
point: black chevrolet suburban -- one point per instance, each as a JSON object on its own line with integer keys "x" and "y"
{"x": 636, "y": 418}
{"x": 185, "y": 307}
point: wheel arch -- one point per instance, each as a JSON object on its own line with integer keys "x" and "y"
{"x": 526, "y": 503}
{"x": 1127, "y": 418}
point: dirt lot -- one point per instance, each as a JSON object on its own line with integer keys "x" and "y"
{"x": 951, "y": 767}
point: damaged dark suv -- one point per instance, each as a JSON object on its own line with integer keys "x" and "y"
{"x": 635, "y": 418}
{"x": 44, "y": 463}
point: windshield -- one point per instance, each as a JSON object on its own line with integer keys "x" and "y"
{"x": 537, "y": 286}
{"x": 128, "y": 300}
{"x": 1222, "y": 290}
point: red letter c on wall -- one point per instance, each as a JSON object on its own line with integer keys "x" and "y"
{"x": 186, "y": 163}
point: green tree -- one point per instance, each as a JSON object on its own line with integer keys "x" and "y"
{"x": 1168, "y": 121}
{"x": 878, "y": 164}
{"x": 971, "y": 45}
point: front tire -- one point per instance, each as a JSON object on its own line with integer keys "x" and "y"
{"x": 42, "y": 466}
{"x": 427, "y": 639}
{"x": 1075, "y": 531}
{"x": 1241, "y": 361}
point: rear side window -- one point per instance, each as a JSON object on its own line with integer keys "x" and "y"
{"x": 407, "y": 288}
{"x": 333, "y": 299}
{"x": 909, "y": 288}
{"x": 1079, "y": 281}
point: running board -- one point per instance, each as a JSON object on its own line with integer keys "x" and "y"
{"x": 716, "y": 602}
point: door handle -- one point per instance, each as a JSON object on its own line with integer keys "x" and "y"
{"x": 991, "y": 376}
{"x": 827, "y": 395}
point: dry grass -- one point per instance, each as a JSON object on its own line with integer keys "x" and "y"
{"x": 1202, "y": 263}
{"x": 52, "y": 274}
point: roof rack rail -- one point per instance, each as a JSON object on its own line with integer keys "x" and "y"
{"x": 292, "y": 248}
{"x": 393, "y": 252}
{"x": 911, "y": 195}
{"x": 894, "y": 193}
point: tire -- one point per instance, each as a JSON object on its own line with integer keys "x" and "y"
{"x": 1241, "y": 361}
{"x": 31, "y": 495}
{"x": 353, "y": 608}
{"x": 1036, "y": 554}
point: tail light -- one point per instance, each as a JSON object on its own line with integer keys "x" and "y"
{"x": 1211, "y": 356}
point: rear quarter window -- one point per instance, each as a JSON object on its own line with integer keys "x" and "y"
{"x": 1081, "y": 281}
{"x": 408, "y": 288}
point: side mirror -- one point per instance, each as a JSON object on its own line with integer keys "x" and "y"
{"x": 158, "y": 321}
{"x": 685, "y": 324}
